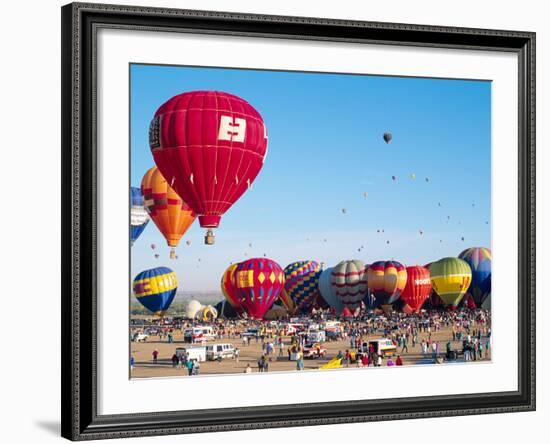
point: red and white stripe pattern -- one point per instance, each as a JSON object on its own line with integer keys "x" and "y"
{"x": 349, "y": 281}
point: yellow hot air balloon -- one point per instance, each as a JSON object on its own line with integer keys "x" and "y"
{"x": 450, "y": 278}
{"x": 169, "y": 212}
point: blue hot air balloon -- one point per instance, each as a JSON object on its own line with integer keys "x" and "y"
{"x": 155, "y": 289}
{"x": 138, "y": 215}
{"x": 479, "y": 259}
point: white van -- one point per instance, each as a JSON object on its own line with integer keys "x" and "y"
{"x": 199, "y": 334}
{"x": 193, "y": 353}
{"x": 316, "y": 336}
{"x": 223, "y": 351}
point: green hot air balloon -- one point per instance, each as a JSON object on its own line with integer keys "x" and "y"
{"x": 450, "y": 278}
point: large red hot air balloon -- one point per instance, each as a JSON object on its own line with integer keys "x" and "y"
{"x": 258, "y": 283}
{"x": 417, "y": 289}
{"x": 210, "y": 146}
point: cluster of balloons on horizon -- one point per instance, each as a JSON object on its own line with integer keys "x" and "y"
{"x": 255, "y": 286}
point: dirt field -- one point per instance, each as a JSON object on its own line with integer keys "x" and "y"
{"x": 250, "y": 354}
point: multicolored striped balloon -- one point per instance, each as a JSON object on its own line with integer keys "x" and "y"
{"x": 479, "y": 259}
{"x": 387, "y": 279}
{"x": 229, "y": 289}
{"x": 155, "y": 289}
{"x": 302, "y": 284}
{"x": 259, "y": 281}
{"x": 169, "y": 212}
{"x": 450, "y": 278}
{"x": 349, "y": 281}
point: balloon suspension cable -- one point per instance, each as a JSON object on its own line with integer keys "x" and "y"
{"x": 172, "y": 253}
{"x": 209, "y": 238}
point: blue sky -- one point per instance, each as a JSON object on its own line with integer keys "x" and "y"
{"x": 325, "y": 151}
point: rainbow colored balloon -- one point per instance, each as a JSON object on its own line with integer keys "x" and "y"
{"x": 258, "y": 281}
{"x": 155, "y": 289}
{"x": 387, "y": 279}
{"x": 302, "y": 284}
{"x": 479, "y": 259}
{"x": 169, "y": 212}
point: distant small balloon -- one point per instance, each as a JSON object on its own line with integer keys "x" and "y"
{"x": 413, "y": 176}
{"x": 427, "y": 179}
{"x": 387, "y": 242}
{"x": 462, "y": 238}
{"x": 421, "y": 232}
{"x": 157, "y": 255}
{"x": 344, "y": 211}
{"x": 153, "y": 246}
{"x": 188, "y": 242}
{"x": 365, "y": 194}
{"x": 250, "y": 245}
{"x": 324, "y": 240}
{"x": 393, "y": 178}
{"x": 438, "y": 204}
{"x": 387, "y": 137}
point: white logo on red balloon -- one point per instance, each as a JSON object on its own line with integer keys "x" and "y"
{"x": 232, "y": 129}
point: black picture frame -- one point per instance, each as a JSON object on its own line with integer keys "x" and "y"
{"x": 80, "y": 22}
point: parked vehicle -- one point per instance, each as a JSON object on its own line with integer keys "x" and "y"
{"x": 140, "y": 337}
{"x": 199, "y": 334}
{"x": 251, "y": 333}
{"x": 220, "y": 351}
{"x": 316, "y": 336}
{"x": 314, "y": 351}
{"x": 382, "y": 346}
{"x": 197, "y": 353}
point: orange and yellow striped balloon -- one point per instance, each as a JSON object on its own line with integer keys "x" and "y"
{"x": 169, "y": 212}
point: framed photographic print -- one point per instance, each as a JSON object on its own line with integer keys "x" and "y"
{"x": 277, "y": 221}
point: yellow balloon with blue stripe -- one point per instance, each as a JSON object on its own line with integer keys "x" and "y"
{"x": 155, "y": 289}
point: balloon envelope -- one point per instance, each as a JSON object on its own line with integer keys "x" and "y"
{"x": 349, "y": 281}
{"x": 387, "y": 137}
{"x": 225, "y": 310}
{"x": 450, "y": 278}
{"x": 302, "y": 284}
{"x": 259, "y": 282}
{"x": 210, "y": 146}
{"x": 479, "y": 259}
{"x": 387, "y": 279}
{"x": 155, "y": 289}
{"x": 229, "y": 289}
{"x": 417, "y": 289}
{"x": 328, "y": 293}
{"x": 169, "y": 212}
{"x": 138, "y": 215}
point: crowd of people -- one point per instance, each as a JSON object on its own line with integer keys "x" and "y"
{"x": 410, "y": 333}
